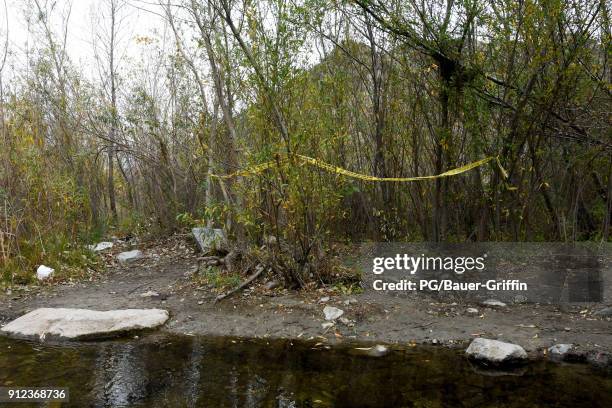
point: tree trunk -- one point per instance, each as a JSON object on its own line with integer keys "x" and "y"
{"x": 113, "y": 132}
{"x": 441, "y": 188}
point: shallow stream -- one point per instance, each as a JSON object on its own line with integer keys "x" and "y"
{"x": 165, "y": 371}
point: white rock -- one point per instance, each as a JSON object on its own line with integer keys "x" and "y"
{"x": 327, "y": 325}
{"x": 44, "y": 272}
{"x": 472, "y": 310}
{"x": 378, "y": 350}
{"x": 149, "y": 293}
{"x": 82, "y": 324}
{"x": 493, "y": 303}
{"x": 559, "y": 350}
{"x": 495, "y": 351}
{"x": 209, "y": 239}
{"x": 324, "y": 299}
{"x": 332, "y": 313}
{"x": 129, "y": 256}
{"x": 101, "y": 246}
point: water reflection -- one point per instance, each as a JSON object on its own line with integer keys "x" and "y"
{"x": 204, "y": 372}
{"x": 121, "y": 375}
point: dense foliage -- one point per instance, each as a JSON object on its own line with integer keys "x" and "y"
{"x": 388, "y": 88}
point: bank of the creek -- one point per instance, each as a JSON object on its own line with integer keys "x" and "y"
{"x": 192, "y": 371}
{"x": 277, "y": 313}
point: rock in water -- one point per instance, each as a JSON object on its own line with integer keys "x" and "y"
{"x": 558, "y": 351}
{"x": 600, "y": 359}
{"x": 129, "y": 256}
{"x": 83, "y": 324}
{"x": 493, "y": 303}
{"x": 495, "y": 352}
{"x": 44, "y": 272}
{"x": 101, "y": 246}
{"x": 378, "y": 351}
{"x": 332, "y": 313}
{"x": 209, "y": 239}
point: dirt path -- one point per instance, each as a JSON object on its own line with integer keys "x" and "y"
{"x": 259, "y": 312}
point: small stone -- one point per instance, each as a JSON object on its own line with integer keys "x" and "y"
{"x": 495, "y": 351}
{"x": 44, "y": 272}
{"x": 606, "y": 312}
{"x": 378, "y": 350}
{"x": 332, "y": 313}
{"x": 200, "y": 302}
{"x": 493, "y": 303}
{"x": 600, "y": 359}
{"x": 271, "y": 284}
{"x": 559, "y": 350}
{"x": 327, "y": 325}
{"x": 472, "y": 310}
{"x": 346, "y": 322}
{"x": 520, "y": 299}
{"x": 149, "y": 293}
{"x": 129, "y": 256}
{"x": 324, "y": 299}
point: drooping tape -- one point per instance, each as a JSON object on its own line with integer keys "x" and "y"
{"x": 260, "y": 168}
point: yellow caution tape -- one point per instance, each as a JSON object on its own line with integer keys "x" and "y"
{"x": 338, "y": 170}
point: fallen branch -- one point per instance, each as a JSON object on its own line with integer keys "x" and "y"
{"x": 258, "y": 271}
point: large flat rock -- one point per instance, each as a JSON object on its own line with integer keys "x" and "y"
{"x": 83, "y": 324}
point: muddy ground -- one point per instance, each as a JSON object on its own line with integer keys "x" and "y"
{"x": 168, "y": 268}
